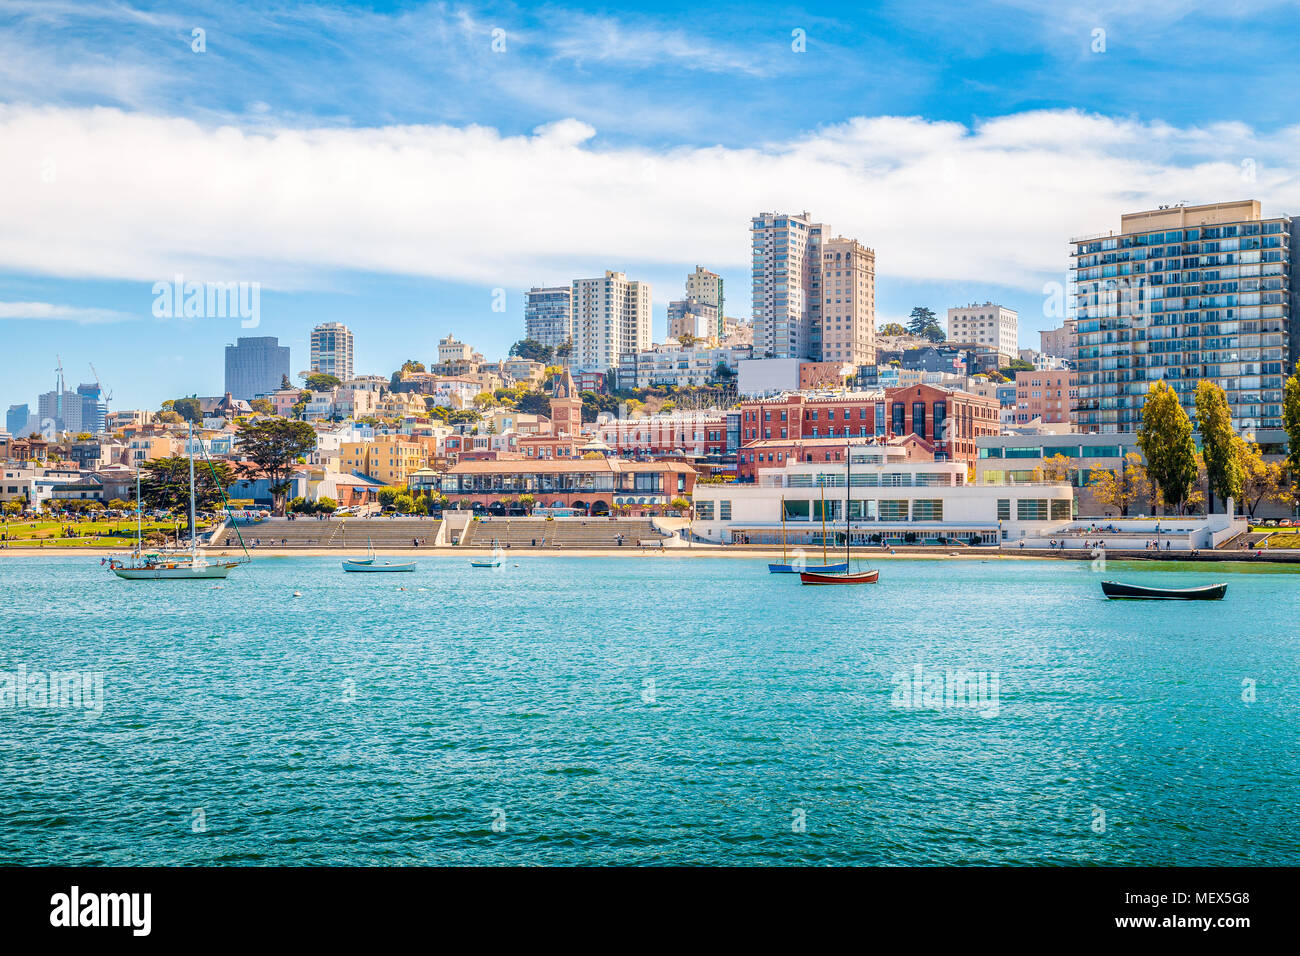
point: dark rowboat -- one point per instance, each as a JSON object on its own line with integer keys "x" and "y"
{"x": 1134, "y": 592}
{"x": 857, "y": 577}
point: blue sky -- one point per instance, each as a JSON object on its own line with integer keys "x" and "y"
{"x": 386, "y": 166}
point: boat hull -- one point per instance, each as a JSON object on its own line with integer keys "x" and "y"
{"x": 379, "y": 568}
{"x": 796, "y": 569}
{"x": 1118, "y": 591}
{"x": 485, "y": 564}
{"x": 859, "y": 577}
{"x": 209, "y": 572}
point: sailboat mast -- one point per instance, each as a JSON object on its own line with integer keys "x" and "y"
{"x": 194, "y": 545}
{"x": 822, "y": 481}
{"x": 138, "y": 521}
{"x": 848, "y": 481}
{"x": 783, "y": 558}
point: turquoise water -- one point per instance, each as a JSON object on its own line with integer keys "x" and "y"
{"x": 362, "y": 724}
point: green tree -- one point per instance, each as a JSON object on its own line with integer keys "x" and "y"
{"x": 321, "y": 381}
{"x": 326, "y": 504}
{"x": 165, "y": 484}
{"x": 1165, "y": 437}
{"x": 923, "y": 323}
{"x": 271, "y": 449}
{"x": 404, "y": 504}
{"x": 387, "y": 496}
{"x": 892, "y": 328}
{"x": 1291, "y": 422}
{"x": 533, "y": 350}
{"x": 188, "y": 409}
{"x": 1223, "y": 466}
{"x": 527, "y": 502}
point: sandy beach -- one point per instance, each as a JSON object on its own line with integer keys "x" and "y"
{"x": 747, "y": 553}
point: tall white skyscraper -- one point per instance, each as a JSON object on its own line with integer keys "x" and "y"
{"x": 787, "y": 285}
{"x": 331, "y": 350}
{"x": 611, "y": 316}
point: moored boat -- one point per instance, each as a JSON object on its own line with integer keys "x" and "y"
{"x": 190, "y": 565}
{"x": 797, "y": 569}
{"x": 493, "y": 560}
{"x": 370, "y": 565}
{"x": 846, "y": 576}
{"x": 855, "y": 577}
{"x": 1117, "y": 590}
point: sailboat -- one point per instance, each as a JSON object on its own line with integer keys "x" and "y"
{"x": 845, "y": 576}
{"x": 494, "y": 560}
{"x": 785, "y": 567}
{"x": 162, "y": 565}
{"x": 368, "y": 562}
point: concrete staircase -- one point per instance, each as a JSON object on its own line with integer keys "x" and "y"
{"x": 342, "y": 534}
{"x": 563, "y": 533}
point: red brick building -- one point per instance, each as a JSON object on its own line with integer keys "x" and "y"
{"x": 947, "y": 419}
{"x": 763, "y": 454}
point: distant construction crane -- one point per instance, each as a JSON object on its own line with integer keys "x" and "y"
{"x": 108, "y": 396}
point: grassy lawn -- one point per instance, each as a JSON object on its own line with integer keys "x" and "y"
{"x": 1284, "y": 539}
{"x": 90, "y": 534}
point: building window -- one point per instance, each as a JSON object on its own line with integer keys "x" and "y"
{"x": 893, "y": 510}
{"x": 704, "y": 510}
{"x": 927, "y": 509}
{"x": 1031, "y": 509}
{"x": 724, "y": 509}
{"x": 1061, "y": 509}
{"x": 1004, "y": 509}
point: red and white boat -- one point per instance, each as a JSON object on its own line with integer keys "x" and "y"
{"x": 847, "y": 577}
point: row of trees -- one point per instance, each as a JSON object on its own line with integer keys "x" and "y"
{"x": 270, "y": 449}
{"x": 1176, "y": 477}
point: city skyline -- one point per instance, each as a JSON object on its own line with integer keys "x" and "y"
{"x": 1011, "y": 178}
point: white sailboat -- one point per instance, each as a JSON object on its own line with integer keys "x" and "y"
{"x": 368, "y": 562}
{"x": 164, "y": 565}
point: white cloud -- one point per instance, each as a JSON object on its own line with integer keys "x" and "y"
{"x": 49, "y": 312}
{"x": 100, "y": 193}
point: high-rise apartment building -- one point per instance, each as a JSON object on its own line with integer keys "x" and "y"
{"x": 255, "y": 366}
{"x": 786, "y": 285}
{"x": 611, "y": 315}
{"x": 548, "y": 315}
{"x": 61, "y": 408}
{"x": 331, "y": 350}
{"x": 990, "y": 325}
{"x": 19, "y": 421}
{"x": 1184, "y": 293}
{"x": 94, "y": 408}
{"x": 705, "y": 287}
{"x": 848, "y": 306}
